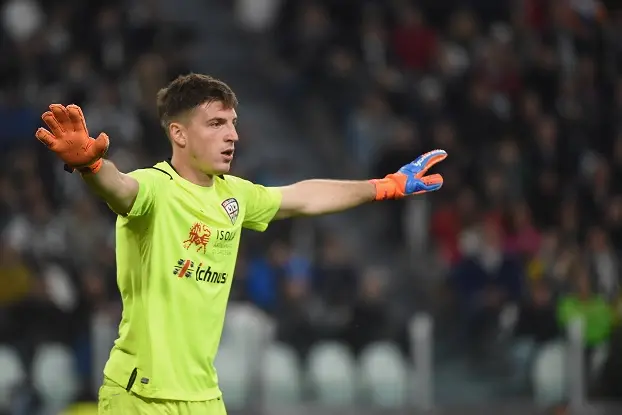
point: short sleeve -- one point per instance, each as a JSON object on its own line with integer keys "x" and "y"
{"x": 145, "y": 200}
{"x": 262, "y": 204}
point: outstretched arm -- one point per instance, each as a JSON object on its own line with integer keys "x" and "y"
{"x": 69, "y": 139}
{"x": 317, "y": 197}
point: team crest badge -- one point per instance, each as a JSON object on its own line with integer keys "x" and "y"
{"x": 232, "y": 208}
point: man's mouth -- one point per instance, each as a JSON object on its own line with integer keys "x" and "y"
{"x": 228, "y": 153}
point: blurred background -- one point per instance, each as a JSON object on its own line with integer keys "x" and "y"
{"x": 498, "y": 295}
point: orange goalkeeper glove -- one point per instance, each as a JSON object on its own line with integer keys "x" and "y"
{"x": 70, "y": 140}
{"x": 411, "y": 179}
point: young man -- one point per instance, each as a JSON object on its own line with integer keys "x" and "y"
{"x": 177, "y": 237}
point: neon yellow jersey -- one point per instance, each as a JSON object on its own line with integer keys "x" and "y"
{"x": 176, "y": 253}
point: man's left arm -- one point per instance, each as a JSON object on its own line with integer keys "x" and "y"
{"x": 318, "y": 197}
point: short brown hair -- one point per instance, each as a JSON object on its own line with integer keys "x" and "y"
{"x": 187, "y": 92}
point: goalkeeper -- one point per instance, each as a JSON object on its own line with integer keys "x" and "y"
{"x": 177, "y": 236}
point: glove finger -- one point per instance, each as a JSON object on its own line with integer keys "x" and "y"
{"x": 426, "y": 161}
{"x": 100, "y": 147}
{"x": 62, "y": 116}
{"x": 46, "y": 137}
{"x": 77, "y": 119}
{"x": 49, "y": 120}
{"x": 431, "y": 183}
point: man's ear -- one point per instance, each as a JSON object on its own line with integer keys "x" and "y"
{"x": 177, "y": 133}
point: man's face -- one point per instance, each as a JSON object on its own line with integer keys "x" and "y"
{"x": 211, "y": 136}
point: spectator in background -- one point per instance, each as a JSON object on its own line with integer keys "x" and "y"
{"x": 569, "y": 221}
{"x": 512, "y": 168}
{"x": 336, "y": 281}
{"x": 342, "y": 80}
{"x": 264, "y": 276}
{"x": 537, "y": 318}
{"x": 307, "y": 40}
{"x": 296, "y": 316}
{"x": 372, "y": 320}
{"x": 614, "y": 223}
{"x": 543, "y": 73}
{"x": 451, "y": 219}
{"x": 31, "y": 308}
{"x": 148, "y": 75}
{"x": 17, "y": 282}
{"x": 415, "y": 44}
{"x": 267, "y": 275}
{"x": 111, "y": 113}
{"x": 485, "y": 280}
{"x": 585, "y": 304}
{"x": 8, "y": 200}
{"x": 536, "y": 326}
{"x": 544, "y": 264}
{"x": 375, "y": 43}
{"x": 87, "y": 234}
{"x": 617, "y": 154}
{"x": 596, "y": 188}
{"x": 610, "y": 382}
{"x": 37, "y": 233}
{"x": 522, "y": 238}
{"x": 544, "y": 197}
{"x": 604, "y": 264}
{"x": 369, "y": 126}
{"x": 335, "y": 287}
{"x": 21, "y": 19}
{"x": 257, "y": 16}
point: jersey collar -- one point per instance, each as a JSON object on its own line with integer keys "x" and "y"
{"x": 170, "y": 166}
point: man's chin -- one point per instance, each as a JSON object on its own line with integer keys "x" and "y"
{"x": 216, "y": 169}
{"x": 222, "y": 168}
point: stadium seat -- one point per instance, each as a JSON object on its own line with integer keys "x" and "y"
{"x": 549, "y": 374}
{"x": 248, "y": 331}
{"x": 54, "y": 375}
{"x": 245, "y": 323}
{"x": 234, "y": 378}
{"x": 520, "y": 354}
{"x": 332, "y": 373}
{"x": 280, "y": 376}
{"x": 104, "y": 331}
{"x": 11, "y": 375}
{"x": 598, "y": 360}
{"x": 384, "y": 375}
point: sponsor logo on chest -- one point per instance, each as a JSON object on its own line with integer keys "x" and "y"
{"x": 203, "y": 239}
{"x": 185, "y": 268}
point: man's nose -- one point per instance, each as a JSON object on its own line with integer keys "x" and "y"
{"x": 233, "y": 135}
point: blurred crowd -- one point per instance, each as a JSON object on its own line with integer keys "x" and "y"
{"x": 525, "y": 96}
{"x": 57, "y": 266}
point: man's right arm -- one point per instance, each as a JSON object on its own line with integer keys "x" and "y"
{"x": 69, "y": 139}
{"x": 117, "y": 189}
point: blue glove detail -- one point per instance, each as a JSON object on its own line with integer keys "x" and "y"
{"x": 414, "y": 186}
{"x": 416, "y": 181}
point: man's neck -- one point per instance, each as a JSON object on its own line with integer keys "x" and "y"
{"x": 194, "y": 176}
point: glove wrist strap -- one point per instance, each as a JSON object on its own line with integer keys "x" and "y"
{"x": 93, "y": 168}
{"x": 386, "y": 189}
